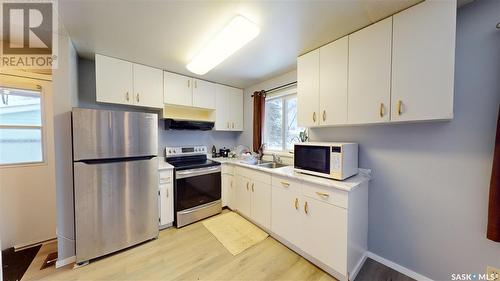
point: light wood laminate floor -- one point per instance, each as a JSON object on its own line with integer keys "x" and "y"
{"x": 193, "y": 253}
{"x": 189, "y": 253}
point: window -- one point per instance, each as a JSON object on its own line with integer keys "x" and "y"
{"x": 280, "y": 124}
{"x": 20, "y": 126}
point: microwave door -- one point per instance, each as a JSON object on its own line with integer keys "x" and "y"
{"x": 312, "y": 158}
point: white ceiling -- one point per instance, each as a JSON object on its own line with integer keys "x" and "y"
{"x": 167, "y": 34}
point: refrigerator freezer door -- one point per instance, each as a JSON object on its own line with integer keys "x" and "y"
{"x": 116, "y": 206}
{"x": 101, "y": 134}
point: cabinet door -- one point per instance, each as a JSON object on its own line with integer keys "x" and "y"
{"x": 329, "y": 225}
{"x": 236, "y": 109}
{"x": 226, "y": 189}
{"x": 166, "y": 204}
{"x": 242, "y": 199}
{"x": 261, "y": 203}
{"x": 423, "y": 56}
{"x": 231, "y": 192}
{"x": 308, "y": 89}
{"x": 333, "y": 82}
{"x": 114, "y": 80}
{"x": 148, "y": 86}
{"x": 203, "y": 94}
{"x": 369, "y": 86}
{"x": 286, "y": 212}
{"x": 221, "y": 108}
{"x": 177, "y": 89}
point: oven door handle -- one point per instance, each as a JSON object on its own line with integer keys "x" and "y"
{"x": 197, "y": 172}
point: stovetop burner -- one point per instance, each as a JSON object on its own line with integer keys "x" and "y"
{"x": 183, "y": 158}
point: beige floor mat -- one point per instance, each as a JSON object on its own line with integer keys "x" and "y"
{"x": 234, "y": 232}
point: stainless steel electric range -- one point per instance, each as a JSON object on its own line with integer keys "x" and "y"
{"x": 197, "y": 188}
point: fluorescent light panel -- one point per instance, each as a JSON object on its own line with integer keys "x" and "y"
{"x": 235, "y": 35}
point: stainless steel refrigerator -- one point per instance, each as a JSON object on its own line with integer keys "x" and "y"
{"x": 115, "y": 168}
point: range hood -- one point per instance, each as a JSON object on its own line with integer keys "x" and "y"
{"x": 173, "y": 124}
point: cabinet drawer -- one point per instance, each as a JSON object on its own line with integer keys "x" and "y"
{"x": 286, "y": 183}
{"x": 165, "y": 177}
{"x": 254, "y": 175}
{"x": 328, "y": 195}
{"x": 227, "y": 169}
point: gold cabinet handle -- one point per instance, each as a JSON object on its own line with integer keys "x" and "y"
{"x": 127, "y": 96}
{"x": 231, "y": 184}
{"x": 195, "y": 84}
{"x": 228, "y": 125}
{"x": 314, "y": 116}
{"x": 322, "y": 194}
{"x": 189, "y": 83}
{"x": 296, "y": 203}
{"x": 233, "y": 125}
{"x": 252, "y": 187}
{"x": 285, "y": 184}
{"x": 247, "y": 185}
{"x": 400, "y": 107}
{"x": 137, "y": 97}
{"x": 167, "y": 193}
{"x": 324, "y": 115}
{"x": 382, "y": 110}
{"x": 306, "y": 208}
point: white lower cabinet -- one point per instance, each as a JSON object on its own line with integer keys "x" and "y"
{"x": 260, "y": 210}
{"x": 286, "y": 210}
{"x": 166, "y": 198}
{"x": 329, "y": 225}
{"x": 253, "y": 196}
{"x": 242, "y": 198}
{"x": 314, "y": 219}
{"x": 228, "y": 186}
{"x": 326, "y": 225}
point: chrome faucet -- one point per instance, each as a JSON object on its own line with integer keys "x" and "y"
{"x": 260, "y": 151}
{"x": 276, "y": 158}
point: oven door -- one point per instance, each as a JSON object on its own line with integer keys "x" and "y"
{"x": 196, "y": 187}
{"x": 314, "y": 158}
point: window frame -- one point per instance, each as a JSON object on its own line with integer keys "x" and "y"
{"x": 40, "y": 90}
{"x": 284, "y": 94}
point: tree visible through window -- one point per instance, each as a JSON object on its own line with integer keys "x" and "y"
{"x": 20, "y": 126}
{"x": 280, "y": 127}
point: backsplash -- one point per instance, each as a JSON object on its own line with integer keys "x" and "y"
{"x": 185, "y": 137}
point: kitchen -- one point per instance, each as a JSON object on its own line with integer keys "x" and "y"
{"x": 381, "y": 168}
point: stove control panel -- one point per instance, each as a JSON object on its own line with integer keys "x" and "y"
{"x": 185, "y": 150}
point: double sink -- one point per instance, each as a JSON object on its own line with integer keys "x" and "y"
{"x": 269, "y": 164}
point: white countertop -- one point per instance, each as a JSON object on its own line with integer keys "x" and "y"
{"x": 162, "y": 165}
{"x": 363, "y": 176}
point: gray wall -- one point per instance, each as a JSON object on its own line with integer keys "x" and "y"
{"x": 428, "y": 199}
{"x": 87, "y": 97}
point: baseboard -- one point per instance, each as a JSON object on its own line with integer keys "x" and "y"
{"x": 66, "y": 261}
{"x": 397, "y": 267}
{"x": 357, "y": 268}
{"x": 29, "y": 245}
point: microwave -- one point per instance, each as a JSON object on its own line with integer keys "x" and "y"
{"x": 326, "y": 159}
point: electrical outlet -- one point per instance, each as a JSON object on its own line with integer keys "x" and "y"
{"x": 493, "y": 273}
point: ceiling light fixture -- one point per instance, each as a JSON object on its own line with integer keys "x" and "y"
{"x": 235, "y": 35}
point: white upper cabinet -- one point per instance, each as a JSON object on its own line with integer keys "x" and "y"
{"x": 177, "y": 89}
{"x": 229, "y": 108}
{"x": 333, "y": 62}
{"x": 236, "y": 109}
{"x": 148, "y": 86}
{"x": 123, "y": 82}
{"x": 114, "y": 80}
{"x": 203, "y": 94}
{"x": 423, "y": 61}
{"x": 369, "y": 88}
{"x": 308, "y": 89}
